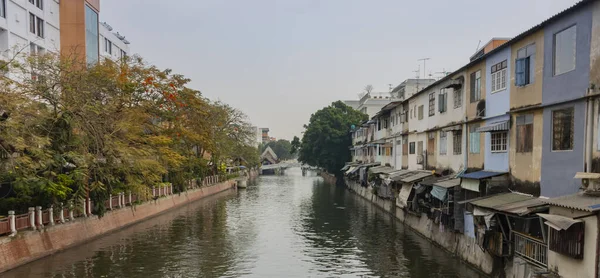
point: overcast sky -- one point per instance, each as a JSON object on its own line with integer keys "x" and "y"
{"x": 281, "y": 60}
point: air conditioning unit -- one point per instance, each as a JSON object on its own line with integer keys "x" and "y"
{"x": 590, "y": 183}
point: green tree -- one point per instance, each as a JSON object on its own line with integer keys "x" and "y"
{"x": 281, "y": 147}
{"x": 295, "y": 145}
{"x": 326, "y": 140}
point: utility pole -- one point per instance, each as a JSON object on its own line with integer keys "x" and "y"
{"x": 424, "y": 61}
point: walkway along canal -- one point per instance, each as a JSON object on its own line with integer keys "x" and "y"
{"x": 282, "y": 226}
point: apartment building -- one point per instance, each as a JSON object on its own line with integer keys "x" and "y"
{"x": 68, "y": 27}
{"x": 29, "y": 27}
{"x": 113, "y": 45}
{"x": 522, "y": 115}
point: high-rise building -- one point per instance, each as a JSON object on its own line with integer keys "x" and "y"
{"x": 68, "y": 27}
{"x": 265, "y": 135}
{"x": 29, "y": 26}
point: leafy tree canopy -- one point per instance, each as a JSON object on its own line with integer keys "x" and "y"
{"x": 326, "y": 140}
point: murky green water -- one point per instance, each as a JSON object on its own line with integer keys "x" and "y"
{"x": 284, "y": 226}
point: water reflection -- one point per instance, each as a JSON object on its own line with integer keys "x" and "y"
{"x": 283, "y": 226}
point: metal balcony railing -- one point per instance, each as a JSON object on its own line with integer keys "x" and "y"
{"x": 531, "y": 249}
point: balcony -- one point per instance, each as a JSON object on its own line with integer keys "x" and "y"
{"x": 531, "y": 249}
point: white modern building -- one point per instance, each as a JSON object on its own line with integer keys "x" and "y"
{"x": 113, "y": 45}
{"x": 410, "y": 87}
{"x": 29, "y": 27}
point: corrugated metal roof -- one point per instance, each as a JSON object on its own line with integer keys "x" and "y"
{"x": 448, "y": 183}
{"x": 481, "y": 175}
{"x": 416, "y": 176}
{"x": 381, "y": 170}
{"x": 523, "y": 207}
{"x": 507, "y": 202}
{"x": 577, "y": 201}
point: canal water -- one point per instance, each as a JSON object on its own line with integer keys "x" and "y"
{"x": 282, "y": 226}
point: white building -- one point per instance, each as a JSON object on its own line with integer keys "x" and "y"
{"x": 29, "y": 27}
{"x": 410, "y": 87}
{"x": 113, "y": 45}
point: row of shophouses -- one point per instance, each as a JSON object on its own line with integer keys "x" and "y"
{"x": 504, "y": 150}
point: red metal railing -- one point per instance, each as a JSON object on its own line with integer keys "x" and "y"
{"x": 45, "y": 217}
{"x": 22, "y": 221}
{"x": 4, "y": 226}
{"x": 115, "y": 201}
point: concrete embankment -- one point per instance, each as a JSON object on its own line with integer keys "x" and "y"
{"x": 28, "y": 246}
{"x": 462, "y": 246}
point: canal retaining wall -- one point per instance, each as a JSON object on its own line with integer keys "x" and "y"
{"x": 28, "y": 246}
{"x": 460, "y": 245}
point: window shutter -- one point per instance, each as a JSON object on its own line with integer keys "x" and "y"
{"x": 527, "y": 70}
{"x": 520, "y": 72}
{"x": 440, "y": 105}
{"x": 472, "y": 83}
{"x": 445, "y": 102}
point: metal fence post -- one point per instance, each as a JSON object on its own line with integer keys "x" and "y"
{"x": 130, "y": 198}
{"x": 32, "y": 217}
{"x": 89, "y": 207}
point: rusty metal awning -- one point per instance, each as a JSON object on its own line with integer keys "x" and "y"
{"x": 497, "y": 126}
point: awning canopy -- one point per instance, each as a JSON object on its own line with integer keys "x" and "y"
{"x": 447, "y": 183}
{"x": 402, "y": 200}
{"x": 558, "y": 222}
{"x": 470, "y": 184}
{"x": 351, "y": 170}
{"x": 452, "y": 128}
{"x": 497, "y": 126}
{"x": 479, "y": 175}
{"x": 411, "y": 176}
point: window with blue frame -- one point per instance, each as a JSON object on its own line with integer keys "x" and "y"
{"x": 524, "y": 65}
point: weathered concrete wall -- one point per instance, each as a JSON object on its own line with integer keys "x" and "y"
{"x": 32, "y": 245}
{"x": 462, "y": 246}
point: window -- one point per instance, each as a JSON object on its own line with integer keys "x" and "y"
{"x": 499, "y": 141}
{"x": 457, "y": 142}
{"x": 562, "y": 129}
{"x": 35, "y": 49}
{"x": 568, "y": 242}
{"x": 421, "y": 112}
{"x": 524, "y": 65}
{"x": 107, "y": 46}
{"x": 565, "y": 43}
{"x": 431, "y": 104}
{"x": 499, "y": 76}
{"x": 411, "y": 147}
{"x": 524, "y": 133}
{"x": 443, "y": 143}
{"x": 475, "y": 86}
{"x": 37, "y": 3}
{"x": 457, "y": 98}
{"x": 92, "y": 43}
{"x": 36, "y": 25}
{"x": 442, "y": 100}
{"x": 123, "y": 54}
{"x": 3, "y": 8}
{"x": 474, "y": 139}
